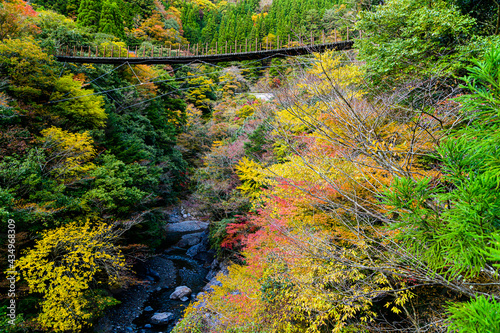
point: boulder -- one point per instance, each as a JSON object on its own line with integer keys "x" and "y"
{"x": 162, "y": 318}
{"x": 185, "y": 299}
{"x": 194, "y": 250}
{"x": 189, "y": 240}
{"x": 209, "y": 287}
{"x": 180, "y": 292}
{"x": 186, "y": 226}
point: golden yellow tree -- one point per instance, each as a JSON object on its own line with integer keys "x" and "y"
{"x": 67, "y": 266}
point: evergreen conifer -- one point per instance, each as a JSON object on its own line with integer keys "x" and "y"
{"x": 88, "y": 14}
{"x": 111, "y": 19}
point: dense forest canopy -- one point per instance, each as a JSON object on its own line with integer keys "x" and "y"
{"x": 364, "y": 197}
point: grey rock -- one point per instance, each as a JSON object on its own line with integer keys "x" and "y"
{"x": 180, "y": 292}
{"x": 162, "y": 318}
{"x": 194, "y": 250}
{"x": 214, "y": 265}
{"x": 224, "y": 267}
{"x": 185, "y": 299}
{"x": 186, "y": 226}
{"x": 209, "y": 287}
{"x": 189, "y": 240}
{"x": 148, "y": 309}
{"x": 211, "y": 274}
{"x": 147, "y": 326}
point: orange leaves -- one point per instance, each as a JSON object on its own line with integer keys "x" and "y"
{"x": 153, "y": 28}
{"x": 16, "y": 19}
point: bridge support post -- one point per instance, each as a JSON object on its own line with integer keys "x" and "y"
{"x": 128, "y": 51}
{"x": 235, "y": 46}
{"x": 288, "y": 40}
{"x": 74, "y": 50}
{"x": 335, "y": 35}
{"x": 89, "y": 51}
{"x": 81, "y": 50}
{"x": 216, "y": 47}
{"x": 226, "y": 47}
{"x": 256, "y": 44}
{"x": 97, "y": 51}
{"x": 246, "y": 45}
{"x": 278, "y": 41}
{"x": 144, "y": 52}
{"x": 152, "y": 51}
{"x": 347, "y": 33}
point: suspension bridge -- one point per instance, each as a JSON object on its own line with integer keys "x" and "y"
{"x": 199, "y": 53}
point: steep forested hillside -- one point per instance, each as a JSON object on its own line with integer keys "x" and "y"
{"x": 363, "y": 197}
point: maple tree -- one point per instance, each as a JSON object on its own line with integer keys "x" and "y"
{"x": 16, "y": 19}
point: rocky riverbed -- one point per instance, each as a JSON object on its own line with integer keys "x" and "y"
{"x": 172, "y": 278}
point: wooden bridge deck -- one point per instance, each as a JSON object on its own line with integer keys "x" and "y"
{"x": 211, "y": 58}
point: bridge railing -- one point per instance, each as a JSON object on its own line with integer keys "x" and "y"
{"x": 270, "y": 42}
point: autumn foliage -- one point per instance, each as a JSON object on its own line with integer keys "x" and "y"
{"x": 320, "y": 249}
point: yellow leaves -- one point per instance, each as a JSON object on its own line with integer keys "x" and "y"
{"x": 251, "y": 176}
{"x": 329, "y": 71}
{"x": 62, "y": 265}
{"x": 257, "y": 17}
{"x": 245, "y": 111}
{"x": 230, "y": 84}
{"x": 71, "y": 153}
{"x": 205, "y": 4}
{"x": 79, "y": 105}
{"x": 201, "y": 89}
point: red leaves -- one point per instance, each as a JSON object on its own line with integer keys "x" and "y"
{"x": 238, "y": 232}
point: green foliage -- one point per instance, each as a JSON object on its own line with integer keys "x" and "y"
{"x": 29, "y": 68}
{"x": 79, "y": 107}
{"x": 118, "y": 187}
{"x": 57, "y": 30}
{"x": 408, "y": 39}
{"x": 480, "y": 315}
{"x": 89, "y": 14}
{"x": 486, "y": 15}
{"x": 450, "y": 225}
{"x": 218, "y": 233}
{"x": 111, "y": 21}
{"x": 256, "y": 146}
{"x": 202, "y": 92}
{"x": 65, "y": 7}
